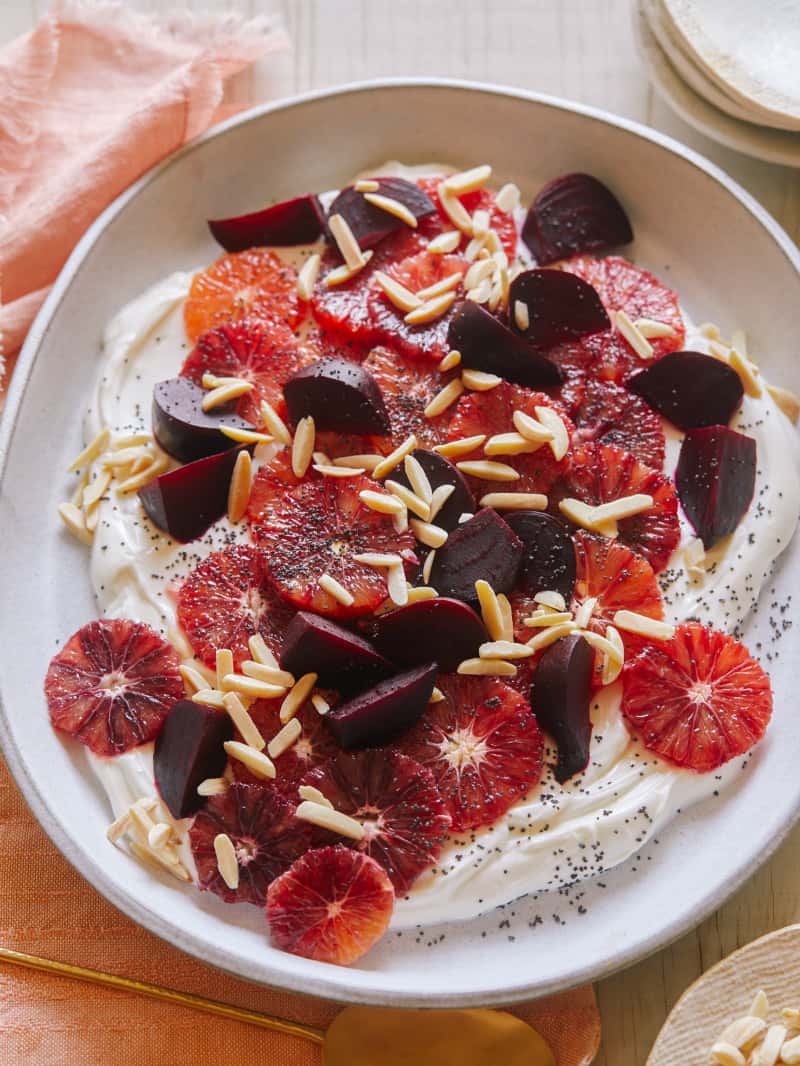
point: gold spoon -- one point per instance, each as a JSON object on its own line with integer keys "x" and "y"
{"x": 358, "y": 1036}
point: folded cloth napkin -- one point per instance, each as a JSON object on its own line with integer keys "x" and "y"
{"x": 90, "y": 99}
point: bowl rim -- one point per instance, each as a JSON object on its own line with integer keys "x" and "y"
{"x": 332, "y": 982}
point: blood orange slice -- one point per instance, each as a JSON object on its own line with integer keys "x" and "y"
{"x": 616, "y": 578}
{"x": 397, "y": 802}
{"x": 265, "y": 353}
{"x": 227, "y": 599}
{"x": 112, "y": 685}
{"x": 697, "y": 700}
{"x": 332, "y": 905}
{"x": 492, "y": 413}
{"x": 317, "y": 529}
{"x": 407, "y": 389}
{"x": 482, "y": 744}
{"x": 266, "y": 837}
{"x": 601, "y": 473}
{"x": 609, "y": 414}
{"x": 252, "y": 284}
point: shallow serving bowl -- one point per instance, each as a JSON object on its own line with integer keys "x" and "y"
{"x": 694, "y": 227}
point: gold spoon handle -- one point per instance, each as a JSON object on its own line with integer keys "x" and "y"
{"x": 142, "y": 988}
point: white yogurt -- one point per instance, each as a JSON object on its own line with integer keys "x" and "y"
{"x": 560, "y": 833}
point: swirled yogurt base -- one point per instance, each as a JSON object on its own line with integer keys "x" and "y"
{"x": 559, "y": 834}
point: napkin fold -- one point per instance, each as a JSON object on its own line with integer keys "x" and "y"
{"x": 89, "y": 100}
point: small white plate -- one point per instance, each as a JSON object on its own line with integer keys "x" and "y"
{"x": 694, "y": 227}
{"x": 773, "y": 146}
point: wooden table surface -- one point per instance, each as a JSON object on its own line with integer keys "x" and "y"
{"x": 582, "y": 50}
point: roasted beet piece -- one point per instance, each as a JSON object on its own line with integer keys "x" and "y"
{"x": 444, "y": 630}
{"x": 381, "y": 713}
{"x": 560, "y": 697}
{"x": 186, "y": 501}
{"x": 181, "y": 426}
{"x": 441, "y": 471}
{"x": 716, "y": 476}
{"x": 484, "y": 547}
{"x": 487, "y": 344}
{"x": 340, "y": 395}
{"x": 189, "y": 749}
{"x": 297, "y": 221}
{"x": 341, "y": 659}
{"x": 560, "y": 307}
{"x": 371, "y": 224}
{"x": 572, "y": 214}
{"x": 548, "y": 554}
{"x": 690, "y": 389}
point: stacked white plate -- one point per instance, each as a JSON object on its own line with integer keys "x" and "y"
{"x": 730, "y": 68}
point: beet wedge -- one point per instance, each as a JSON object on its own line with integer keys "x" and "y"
{"x": 561, "y": 697}
{"x": 384, "y": 712}
{"x": 487, "y": 344}
{"x": 572, "y": 214}
{"x": 716, "y": 476}
{"x": 296, "y": 221}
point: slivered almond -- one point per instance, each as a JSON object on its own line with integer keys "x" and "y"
{"x": 308, "y": 792}
{"x": 481, "y": 293}
{"x": 545, "y": 619}
{"x": 510, "y": 444}
{"x": 480, "y": 223}
{"x": 303, "y": 446}
{"x": 444, "y": 398}
{"x": 260, "y": 652}
{"x": 320, "y": 704}
{"x": 400, "y": 296}
{"x": 624, "y": 507}
{"x": 246, "y": 436}
{"x": 275, "y": 424}
{"x": 436, "y": 696}
{"x": 748, "y": 373}
{"x": 334, "y": 588}
{"x": 159, "y": 835}
{"x": 96, "y": 489}
{"x": 414, "y": 503}
{"x": 582, "y": 514}
{"x": 192, "y": 677}
{"x": 515, "y": 501}
{"x": 240, "y": 487}
{"x": 488, "y": 470}
{"x": 455, "y": 210}
{"x": 328, "y": 818}
{"x": 242, "y": 720}
{"x": 431, "y": 309}
{"x": 284, "y": 738}
{"x": 427, "y": 566}
{"x": 223, "y": 662}
{"x": 367, "y": 185}
{"x": 252, "y": 686}
{"x": 744, "y": 1031}
{"x": 118, "y": 827}
{"x": 504, "y": 649}
{"x": 77, "y": 495}
{"x": 395, "y": 458}
{"x": 474, "y": 249}
{"x": 210, "y": 697}
{"x": 365, "y": 461}
{"x": 490, "y": 609}
{"x": 528, "y": 427}
{"x": 650, "y": 329}
{"x": 487, "y": 668}
{"x": 254, "y": 759}
{"x": 445, "y": 243}
{"x": 640, "y": 344}
{"x": 73, "y": 518}
{"x": 422, "y": 592}
{"x": 452, "y": 281}
{"x": 346, "y": 242}
{"x": 297, "y": 696}
{"x": 215, "y": 381}
{"x": 392, "y": 207}
{"x": 786, "y": 401}
{"x": 551, "y": 420}
{"x": 439, "y": 497}
{"x": 263, "y": 672}
{"x": 480, "y": 269}
{"x": 521, "y": 315}
{"x": 450, "y": 361}
{"x": 427, "y": 533}
{"x": 343, "y": 273}
{"x": 338, "y": 471}
{"x": 479, "y": 380}
{"x": 92, "y": 516}
{"x": 380, "y": 560}
{"x": 709, "y": 331}
{"x": 307, "y": 276}
{"x": 507, "y": 199}
{"x": 506, "y": 616}
{"x": 467, "y": 180}
{"x": 759, "y": 1008}
{"x": 396, "y": 585}
{"x": 584, "y": 613}
{"x": 720, "y": 351}
{"x": 553, "y": 600}
{"x": 652, "y": 628}
{"x": 159, "y": 860}
{"x": 400, "y": 521}
{"x": 132, "y": 484}
{"x": 724, "y": 1054}
{"x": 224, "y": 393}
{"x": 463, "y": 446}
{"x": 92, "y": 450}
{"x": 127, "y": 457}
{"x": 602, "y": 644}
{"x": 131, "y": 440}
{"x": 381, "y": 502}
{"x": 212, "y": 786}
{"x": 545, "y": 637}
{"x": 418, "y": 478}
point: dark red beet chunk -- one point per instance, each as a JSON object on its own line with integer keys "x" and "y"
{"x": 297, "y": 221}
{"x": 716, "y": 476}
{"x": 445, "y": 630}
{"x": 186, "y": 501}
{"x": 548, "y": 554}
{"x": 574, "y": 213}
{"x": 441, "y": 471}
{"x": 690, "y": 389}
{"x": 560, "y": 698}
{"x": 340, "y": 395}
{"x": 341, "y": 659}
{"x": 561, "y": 307}
{"x": 181, "y": 426}
{"x": 371, "y": 224}
{"x": 189, "y": 749}
{"x": 390, "y": 708}
{"x": 487, "y": 344}
{"x": 484, "y": 547}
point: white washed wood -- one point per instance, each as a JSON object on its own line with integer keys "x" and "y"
{"x": 581, "y": 49}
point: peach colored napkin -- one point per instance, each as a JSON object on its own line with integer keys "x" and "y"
{"x": 89, "y": 100}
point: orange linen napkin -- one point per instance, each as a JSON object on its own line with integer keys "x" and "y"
{"x": 88, "y": 101}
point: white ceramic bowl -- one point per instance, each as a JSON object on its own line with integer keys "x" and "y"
{"x": 695, "y": 227}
